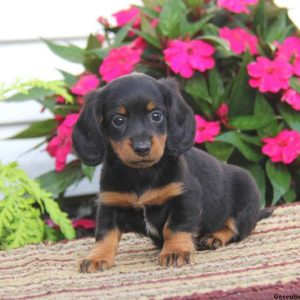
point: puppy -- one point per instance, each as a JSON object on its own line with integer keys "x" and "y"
{"x": 153, "y": 181}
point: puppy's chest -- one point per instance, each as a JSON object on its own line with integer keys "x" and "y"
{"x": 155, "y": 196}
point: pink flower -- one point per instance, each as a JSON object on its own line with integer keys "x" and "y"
{"x": 206, "y": 131}
{"x": 119, "y": 61}
{"x": 269, "y": 76}
{"x": 85, "y": 84}
{"x": 291, "y": 97}
{"x": 127, "y": 15}
{"x": 84, "y": 223}
{"x": 103, "y": 21}
{"x": 100, "y": 38}
{"x": 185, "y": 57}
{"x": 138, "y": 43}
{"x": 240, "y": 40}
{"x": 61, "y": 145}
{"x": 237, "y": 6}
{"x": 284, "y": 147}
{"x": 60, "y": 100}
{"x": 222, "y": 113}
{"x": 290, "y": 51}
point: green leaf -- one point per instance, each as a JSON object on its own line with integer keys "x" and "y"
{"x": 92, "y": 42}
{"x": 290, "y": 195}
{"x": 71, "y": 52}
{"x": 88, "y": 171}
{"x": 291, "y": 116}
{"x": 295, "y": 84}
{"x": 37, "y": 129}
{"x": 192, "y": 28}
{"x": 254, "y": 140}
{"x": 56, "y": 183}
{"x": 234, "y": 138}
{"x": 218, "y": 41}
{"x": 260, "y": 20}
{"x": 219, "y": 150}
{"x": 216, "y": 86}
{"x": 122, "y": 34}
{"x": 101, "y": 53}
{"x": 148, "y": 11}
{"x": 194, "y": 3}
{"x": 250, "y": 122}
{"x": 171, "y": 16}
{"x": 69, "y": 78}
{"x": 280, "y": 179}
{"x": 33, "y": 93}
{"x": 197, "y": 87}
{"x": 148, "y": 38}
{"x": 262, "y": 109}
{"x": 153, "y": 3}
{"x": 279, "y": 30}
{"x": 259, "y": 175}
{"x": 241, "y": 95}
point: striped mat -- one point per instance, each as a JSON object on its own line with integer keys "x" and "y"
{"x": 265, "y": 264}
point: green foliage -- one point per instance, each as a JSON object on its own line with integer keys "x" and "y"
{"x": 22, "y": 205}
{"x": 37, "y": 129}
{"x": 280, "y": 179}
{"x": 56, "y": 183}
{"x": 33, "y": 89}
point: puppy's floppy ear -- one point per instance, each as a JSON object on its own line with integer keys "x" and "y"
{"x": 181, "y": 122}
{"x": 87, "y": 135}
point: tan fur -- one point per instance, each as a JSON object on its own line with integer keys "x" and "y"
{"x": 226, "y": 234}
{"x": 179, "y": 244}
{"x": 156, "y": 196}
{"x": 103, "y": 254}
{"x": 122, "y": 110}
{"x": 150, "y": 106}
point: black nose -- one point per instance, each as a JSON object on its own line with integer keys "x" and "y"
{"x": 142, "y": 148}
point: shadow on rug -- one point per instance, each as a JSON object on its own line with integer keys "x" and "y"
{"x": 267, "y": 262}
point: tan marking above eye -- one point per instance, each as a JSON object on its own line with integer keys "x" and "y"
{"x": 157, "y": 196}
{"x": 150, "y": 106}
{"x": 122, "y": 110}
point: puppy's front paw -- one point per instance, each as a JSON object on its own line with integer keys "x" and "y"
{"x": 89, "y": 265}
{"x": 174, "y": 258}
{"x": 209, "y": 242}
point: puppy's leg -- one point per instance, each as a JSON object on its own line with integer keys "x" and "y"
{"x": 102, "y": 256}
{"x": 219, "y": 238}
{"x": 178, "y": 232}
{"x": 177, "y": 248}
{"x": 108, "y": 235}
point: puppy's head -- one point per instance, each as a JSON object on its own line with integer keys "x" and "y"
{"x": 138, "y": 117}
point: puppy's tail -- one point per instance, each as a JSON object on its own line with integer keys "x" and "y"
{"x": 265, "y": 213}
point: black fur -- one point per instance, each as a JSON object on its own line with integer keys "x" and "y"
{"x": 213, "y": 191}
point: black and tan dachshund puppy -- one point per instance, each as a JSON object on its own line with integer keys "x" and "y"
{"x": 153, "y": 180}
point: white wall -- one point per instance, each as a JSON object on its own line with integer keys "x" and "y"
{"x": 23, "y": 55}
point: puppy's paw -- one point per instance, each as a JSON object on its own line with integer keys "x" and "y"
{"x": 89, "y": 265}
{"x": 209, "y": 242}
{"x": 174, "y": 258}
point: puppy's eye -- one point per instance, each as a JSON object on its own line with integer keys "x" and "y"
{"x": 156, "y": 116}
{"x": 118, "y": 121}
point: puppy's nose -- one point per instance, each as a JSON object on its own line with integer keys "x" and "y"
{"x": 142, "y": 148}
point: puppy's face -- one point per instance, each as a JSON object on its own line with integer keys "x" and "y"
{"x": 135, "y": 125}
{"x": 136, "y": 116}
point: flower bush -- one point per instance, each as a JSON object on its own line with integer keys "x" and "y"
{"x": 237, "y": 62}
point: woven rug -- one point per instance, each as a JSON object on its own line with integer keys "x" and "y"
{"x": 265, "y": 264}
